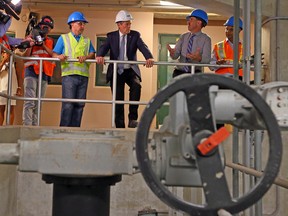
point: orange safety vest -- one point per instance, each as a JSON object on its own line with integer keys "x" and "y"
{"x": 223, "y": 50}
{"x": 39, "y": 51}
{"x": 4, "y": 40}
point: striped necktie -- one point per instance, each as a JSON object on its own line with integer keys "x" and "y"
{"x": 189, "y": 50}
{"x": 121, "y": 54}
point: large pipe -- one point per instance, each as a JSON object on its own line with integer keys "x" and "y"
{"x": 278, "y": 181}
{"x": 9, "y": 153}
{"x": 257, "y": 70}
{"x": 235, "y": 147}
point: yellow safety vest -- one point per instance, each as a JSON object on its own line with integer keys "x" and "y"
{"x": 74, "y": 49}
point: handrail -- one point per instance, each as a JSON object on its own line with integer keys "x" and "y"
{"x": 39, "y": 99}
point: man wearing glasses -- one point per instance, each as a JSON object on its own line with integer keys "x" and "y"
{"x": 74, "y": 74}
{"x": 193, "y": 46}
{"x": 123, "y": 45}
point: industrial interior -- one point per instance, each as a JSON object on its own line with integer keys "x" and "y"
{"x": 175, "y": 162}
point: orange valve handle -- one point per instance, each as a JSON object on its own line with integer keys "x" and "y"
{"x": 213, "y": 141}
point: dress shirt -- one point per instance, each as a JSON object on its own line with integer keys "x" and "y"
{"x": 201, "y": 41}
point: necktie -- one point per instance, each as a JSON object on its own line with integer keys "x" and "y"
{"x": 121, "y": 54}
{"x": 189, "y": 50}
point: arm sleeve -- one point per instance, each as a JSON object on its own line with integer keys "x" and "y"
{"x": 105, "y": 47}
{"x": 4, "y": 27}
{"x": 91, "y": 48}
{"x": 59, "y": 47}
{"x": 213, "y": 60}
{"x": 14, "y": 41}
{"x": 178, "y": 48}
{"x": 206, "y": 55}
{"x": 144, "y": 48}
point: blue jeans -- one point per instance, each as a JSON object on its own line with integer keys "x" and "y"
{"x": 73, "y": 87}
{"x": 30, "y": 108}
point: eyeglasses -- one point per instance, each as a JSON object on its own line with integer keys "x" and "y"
{"x": 81, "y": 23}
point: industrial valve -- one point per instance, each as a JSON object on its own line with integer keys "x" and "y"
{"x": 187, "y": 151}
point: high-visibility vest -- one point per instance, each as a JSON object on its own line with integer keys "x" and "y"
{"x": 39, "y": 51}
{"x": 223, "y": 50}
{"x": 74, "y": 49}
{"x": 4, "y": 40}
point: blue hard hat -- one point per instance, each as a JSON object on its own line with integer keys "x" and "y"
{"x": 198, "y": 13}
{"x": 230, "y": 22}
{"x": 76, "y": 16}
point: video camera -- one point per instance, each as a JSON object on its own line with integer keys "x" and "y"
{"x": 11, "y": 8}
{"x": 39, "y": 34}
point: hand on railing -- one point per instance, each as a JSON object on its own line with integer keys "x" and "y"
{"x": 100, "y": 60}
{"x": 81, "y": 58}
{"x": 62, "y": 57}
{"x": 149, "y": 63}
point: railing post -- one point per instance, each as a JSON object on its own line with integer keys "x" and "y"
{"x": 39, "y": 97}
{"x": 9, "y": 92}
{"x": 114, "y": 93}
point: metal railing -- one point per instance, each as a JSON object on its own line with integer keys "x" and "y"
{"x": 40, "y": 99}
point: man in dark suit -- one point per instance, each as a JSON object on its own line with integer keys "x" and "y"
{"x": 123, "y": 45}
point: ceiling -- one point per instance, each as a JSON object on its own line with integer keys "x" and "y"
{"x": 218, "y": 10}
{"x": 160, "y": 11}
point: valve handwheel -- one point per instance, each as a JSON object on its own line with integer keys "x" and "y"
{"x": 214, "y": 183}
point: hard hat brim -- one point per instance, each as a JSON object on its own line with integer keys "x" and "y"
{"x": 78, "y": 21}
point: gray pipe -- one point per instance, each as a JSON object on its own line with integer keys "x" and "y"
{"x": 235, "y": 141}
{"x": 9, "y": 153}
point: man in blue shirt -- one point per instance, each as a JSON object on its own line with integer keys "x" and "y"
{"x": 74, "y": 74}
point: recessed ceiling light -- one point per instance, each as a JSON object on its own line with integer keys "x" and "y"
{"x": 168, "y": 3}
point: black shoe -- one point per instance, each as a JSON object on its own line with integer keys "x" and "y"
{"x": 132, "y": 124}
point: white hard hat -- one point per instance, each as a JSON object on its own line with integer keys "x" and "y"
{"x": 123, "y": 16}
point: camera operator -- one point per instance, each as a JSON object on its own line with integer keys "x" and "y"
{"x": 43, "y": 48}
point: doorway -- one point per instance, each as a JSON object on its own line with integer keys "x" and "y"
{"x": 164, "y": 73}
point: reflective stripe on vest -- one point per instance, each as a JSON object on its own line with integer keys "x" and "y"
{"x": 4, "y": 40}
{"x": 74, "y": 49}
{"x": 39, "y": 51}
{"x": 225, "y": 51}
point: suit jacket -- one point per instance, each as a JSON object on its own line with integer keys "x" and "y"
{"x": 134, "y": 42}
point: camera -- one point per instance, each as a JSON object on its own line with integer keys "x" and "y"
{"x": 4, "y": 18}
{"x": 39, "y": 34}
{"x": 11, "y": 8}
